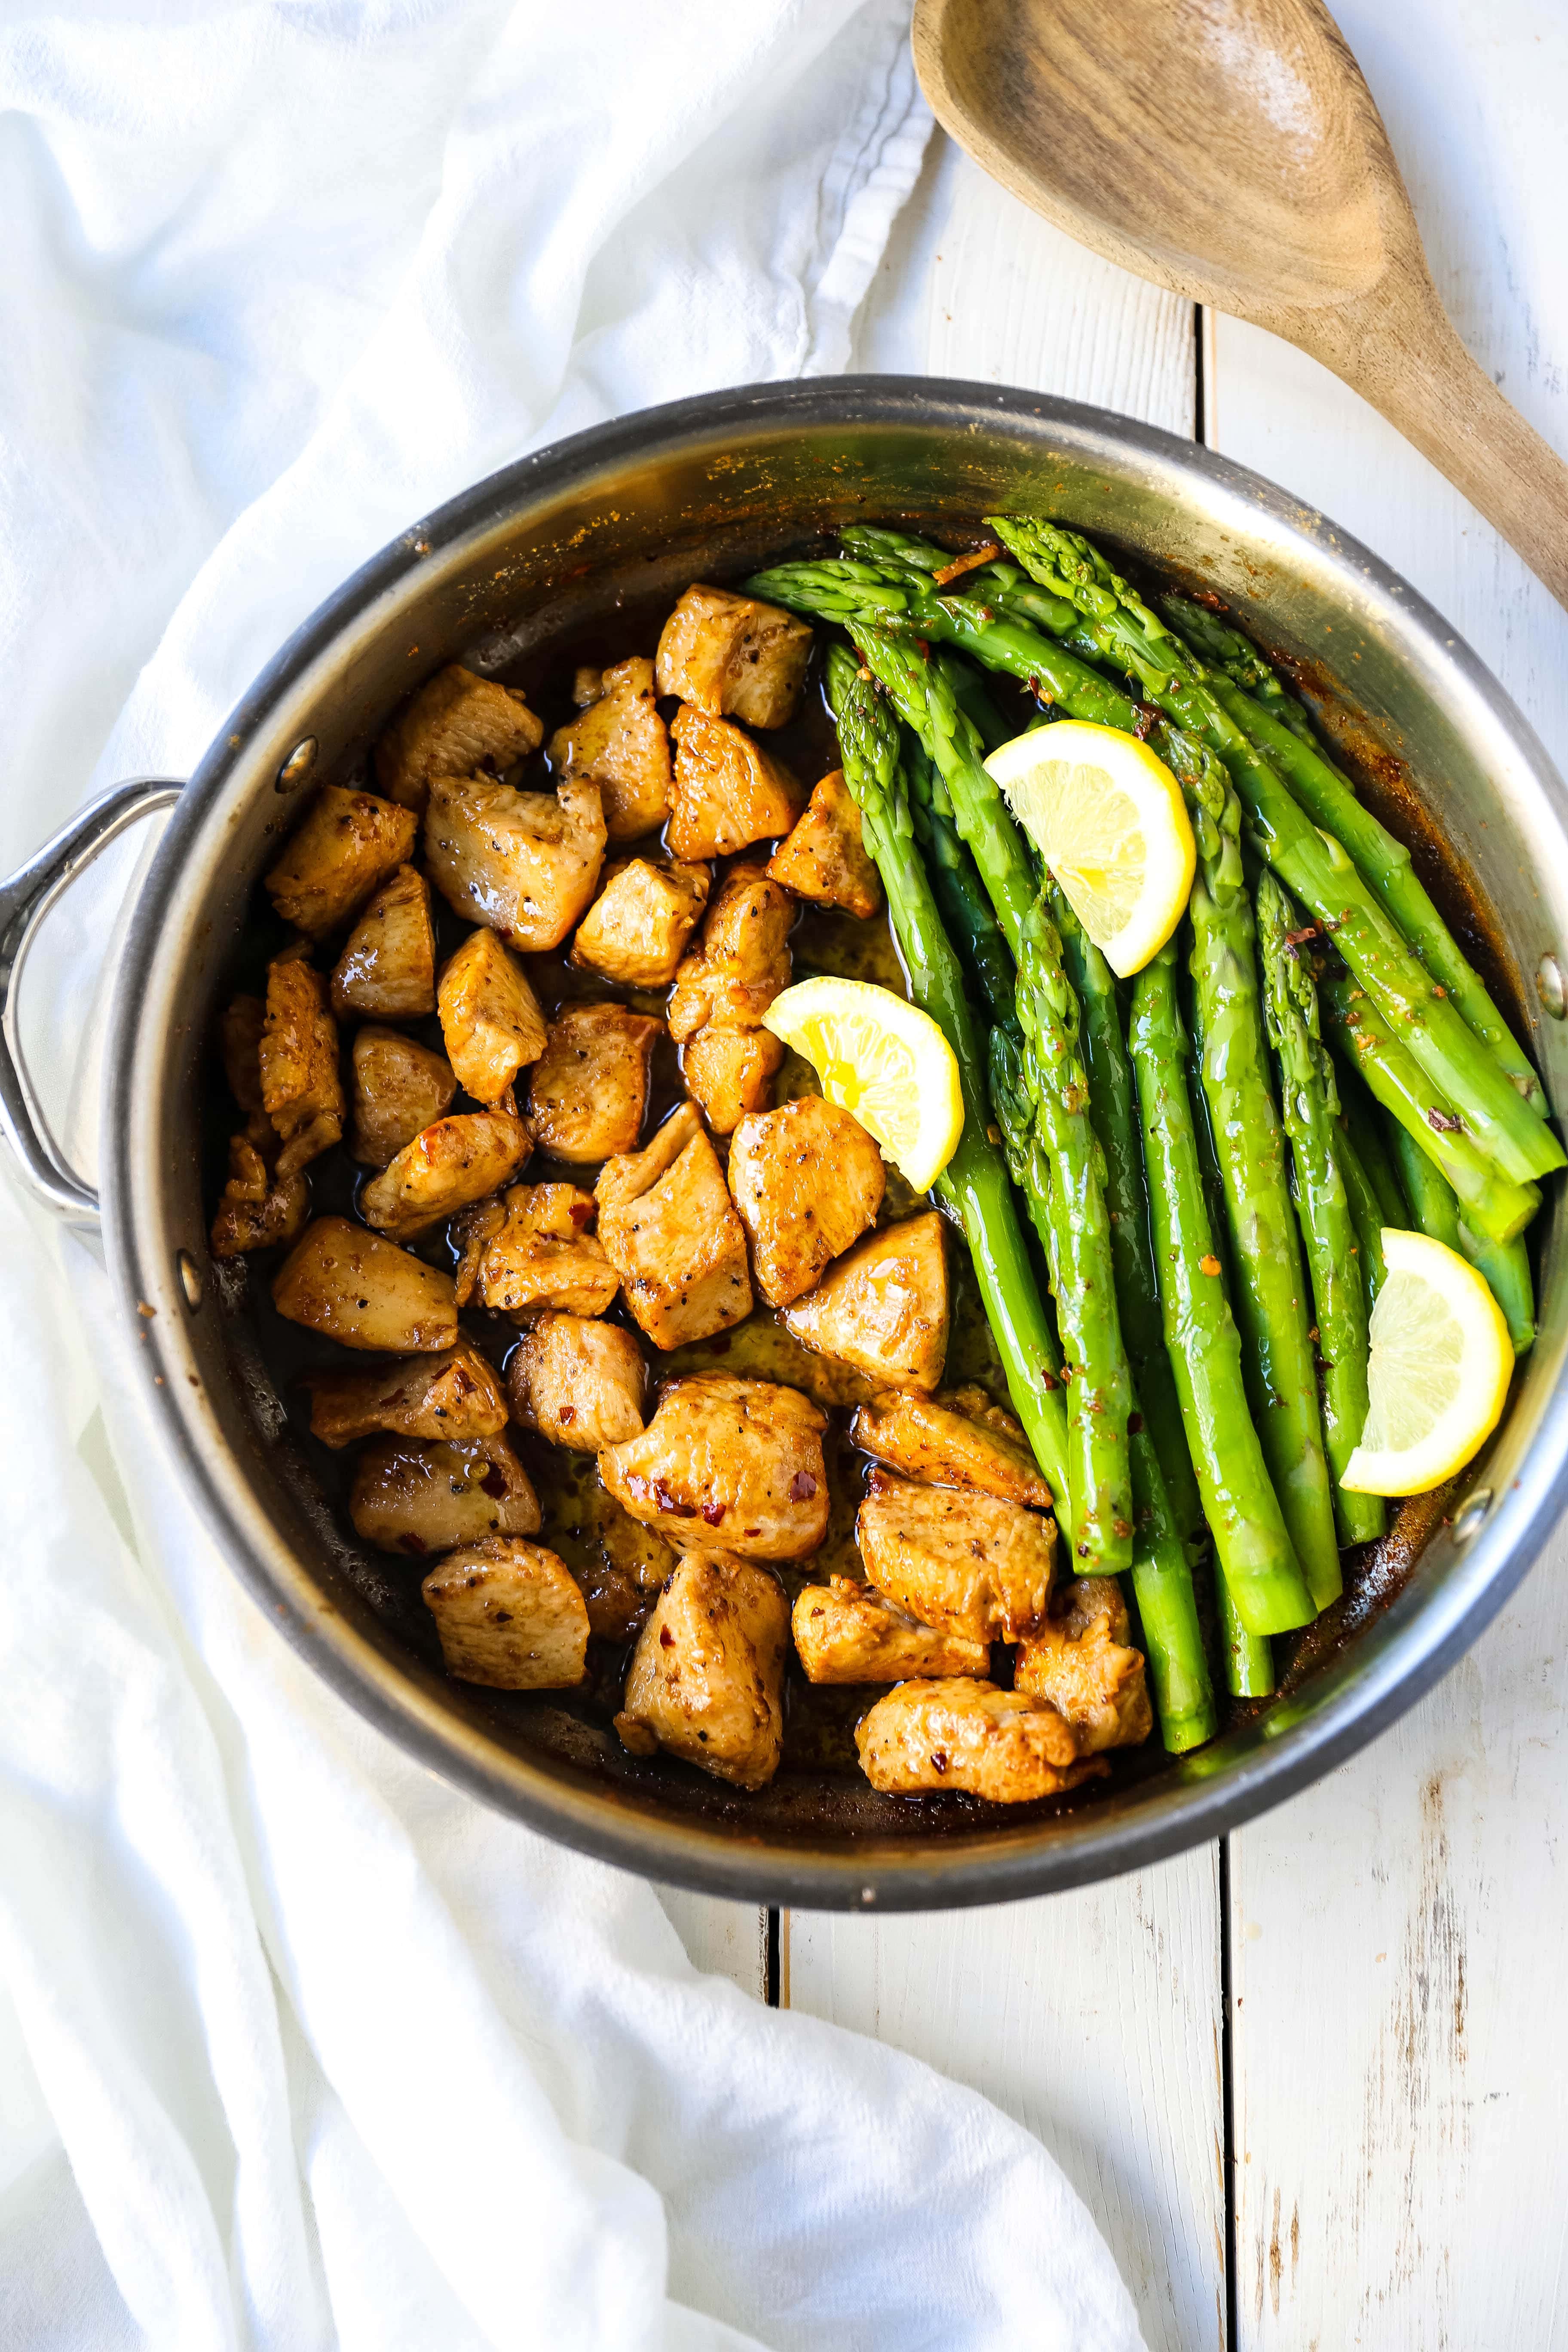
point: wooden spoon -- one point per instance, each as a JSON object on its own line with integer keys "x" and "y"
{"x": 1230, "y": 150}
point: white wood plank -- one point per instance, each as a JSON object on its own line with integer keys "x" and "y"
{"x": 1092, "y": 2018}
{"x": 723, "y": 1939}
{"x": 1400, "y": 2044}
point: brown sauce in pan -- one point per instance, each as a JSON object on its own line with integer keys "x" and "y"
{"x": 620, "y": 1573}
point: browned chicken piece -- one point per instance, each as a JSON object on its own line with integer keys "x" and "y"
{"x": 578, "y": 1382}
{"x": 671, "y": 1234}
{"x": 239, "y": 1042}
{"x": 447, "y": 1166}
{"x": 882, "y": 1308}
{"x": 958, "y": 1440}
{"x": 848, "y": 1632}
{"x": 965, "y": 1563}
{"x": 729, "y": 791}
{"x": 388, "y": 969}
{"x": 721, "y": 992}
{"x": 454, "y": 1395}
{"x": 589, "y": 1088}
{"x": 365, "y": 1292}
{"x": 301, "y": 1090}
{"x": 707, "y": 1680}
{"x": 1082, "y": 1662}
{"x": 622, "y": 743}
{"x": 400, "y": 1088}
{"x": 965, "y": 1734}
{"x": 737, "y": 1463}
{"x": 730, "y": 1072}
{"x": 733, "y": 657}
{"x": 533, "y": 1249}
{"x": 808, "y": 1180}
{"x": 824, "y": 859}
{"x": 510, "y": 1615}
{"x": 455, "y": 723}
{"x": 347, "y": 843}
{"x": 635, "y": 932}
{"x": 524, "y": 864}
{"x": 256, "y": 1211}
{"x": 409, "y": 1495}
{"x": 490, "y": 1021}
{"x": 587, "y": 685}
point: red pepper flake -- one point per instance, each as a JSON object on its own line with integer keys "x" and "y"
{"x": 567, "y": 1413}
{"x": 802, "y": 1486}
{"x": 581, "y": 1213}
{"x": 666, "y": 1638}
{"x": 938, "y": 1760}
{"x": 922, "y": 647}
{"x": 1293, "y": 940}
{"x": 962, "y": 563}
{"x": 713, "y": 1512}
{"x": 415, "y": 1544}
{"x": 1209, "y": 1263}
{"x": 669, "y": 1502}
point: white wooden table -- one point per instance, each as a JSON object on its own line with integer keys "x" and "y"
{"x": 1310, "y": 2081}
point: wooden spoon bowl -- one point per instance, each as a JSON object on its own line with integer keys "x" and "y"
{"x": 1230, "y": 151}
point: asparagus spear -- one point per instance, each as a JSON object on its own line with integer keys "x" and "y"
{"x": 1365, "y": 1130}
{"x": 1225, "y": 648}
{"x": 1255, "y": 1551}
{"x": 1113, "y": 1108}
{"x": 966, "y": 910}
{"x": 1367, "y": 1215}
{"x": 1309, "y": 1106}
{"x": 1330, "y": 799}
{"x": 1269, "y": 1292}
{"x": 1504, "y": 1266}
{"x": 1313, "y": 866}
{"x": 1496, "y": 1207}
{"x": 974, "y": 1185}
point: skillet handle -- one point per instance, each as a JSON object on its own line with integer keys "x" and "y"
{"x": 25, "y": 898}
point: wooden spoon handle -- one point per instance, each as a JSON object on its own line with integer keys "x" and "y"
{"x": 1408, "y": 361}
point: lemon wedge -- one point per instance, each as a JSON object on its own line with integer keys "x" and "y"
{"x": 882, "y": 1060}
{"x": 1108, "y": 818}
{"x": 1438, "y": 1374}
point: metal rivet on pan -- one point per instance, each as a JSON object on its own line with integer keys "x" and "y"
{"x": 1467, "y": 1525}
{"x": 190, "y": 1278}
{"x": 1549, "y": 986}
{"x": 868, "y": 1894}
{"x": 297, "y": 765}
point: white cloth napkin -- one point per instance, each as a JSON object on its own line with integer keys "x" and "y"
{"x": 302, "y": 2049}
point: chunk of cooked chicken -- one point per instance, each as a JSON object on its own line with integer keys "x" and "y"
{"x": 388, "y": 968}
{"x": 621, "y": 742}
{"x": 455, "y": 723}
{"x": 416, "y": 1496}
{"x": 733, "y": 657}
{"x": 824, "y": 859}
{"x": 301, "y": 1090}
{"x": 737, "y": 1463}
{"x": 883, "y": 1307}
{"x": 240, "y": 1032}
{"x": 707, "y": 1680}
{"x": 729, "y": 791}
{"x": 808, "y": 1180}
{"x": 509, "y": 1614}
{"x": 455, "y": 1395}
{"x": 671, "y": 1234}
{"x": 525, "y": 864}
{"x": 964, "y": 1734}
{"x": 850, "y": 1633}
{"x": 347, "y": 843}
{"x": 730, "y": 1072}
{"x": 578, "y": 1382}
{"x": 958, "y": 1440}
{"x": 490, "y": 1021}
{"x": 533, "y": 1249}
{"x": 636, "y": 928}
{"x": 400, "y": 1088}
{"x": 365, "y": 1292}
{"x": 256, "y": 1211}
{"x": 966, "y": 1563}
{"x": 1082, "y": 1663}
{"x": 445, "y": 1168}
{"x": 723, "y": 988}
{"x": 589, "y": 1088}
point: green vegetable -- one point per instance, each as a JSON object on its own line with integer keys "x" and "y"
{"x": 1256, "y": 1555}
{"x": 1309, "y": 1106}
{"x": 1367, "y": 1215}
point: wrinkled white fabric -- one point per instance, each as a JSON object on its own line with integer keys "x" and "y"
{"x": 300, "y": 2048}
